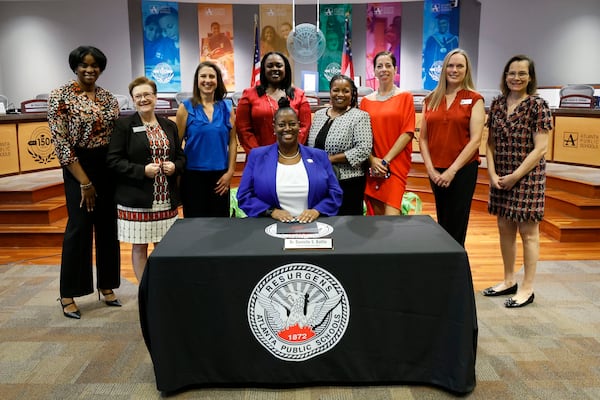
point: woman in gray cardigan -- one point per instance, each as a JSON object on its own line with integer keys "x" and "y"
{"x": 344, "y": 132}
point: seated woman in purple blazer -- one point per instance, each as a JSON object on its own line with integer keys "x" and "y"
{"x": 286, "y": 180}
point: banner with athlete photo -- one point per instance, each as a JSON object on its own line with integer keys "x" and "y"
{"x": 440, "y": 35}
{"x": 161, "y": 44}
{"x": 215, "y": 30}
{"x": 383, "y": 34}
{"x": 331, "y": 23}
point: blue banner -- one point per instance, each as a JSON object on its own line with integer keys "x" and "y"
{"x": 440, "y": 35}
{"x": 161, "y": 45}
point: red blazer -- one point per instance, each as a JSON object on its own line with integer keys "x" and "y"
{"x": 254, "y": 118}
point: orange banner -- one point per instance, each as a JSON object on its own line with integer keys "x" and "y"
{"x": 215, "y": 28}
{"x": 275, "y": 26}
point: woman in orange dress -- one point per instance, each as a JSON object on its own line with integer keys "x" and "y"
{"x": 392, "y": 114}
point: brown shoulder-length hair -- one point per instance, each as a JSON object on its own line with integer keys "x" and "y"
{"x": 434, "y": 98}
{"x": 220, "y": 91}
{"x": 141, "y": 80}
{"x": 531, "y": 87}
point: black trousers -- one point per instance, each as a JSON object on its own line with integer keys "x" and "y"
{"x": 198, "y": 195}
{"x": 453, "y": 204}
{"x": 83, "y": 228}
{"x": 354, "y": 194}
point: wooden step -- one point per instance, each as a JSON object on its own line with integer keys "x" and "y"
{"x": 583, "y": 181}
{"x": 43, "y": 235}
{"x": 565, "y": 228}
{"x": 31, "y": 188}
{"x": 572, "y": 204}
{"x": 41, "y": 212}
{"x": 572, "y": 213}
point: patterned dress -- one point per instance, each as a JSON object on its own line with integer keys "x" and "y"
{"x": 513, "y": 137}
{"x": 143, "y": 225}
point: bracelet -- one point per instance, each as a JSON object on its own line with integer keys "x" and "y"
{"x": 86, "y": 186}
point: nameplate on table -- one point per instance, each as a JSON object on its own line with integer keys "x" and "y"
{"x": 300, "y": 243}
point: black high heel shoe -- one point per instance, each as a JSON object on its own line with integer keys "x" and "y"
{"x": 111, "y": 303}
{"x": 69, "y": 314}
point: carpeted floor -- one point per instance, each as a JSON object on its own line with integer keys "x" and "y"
{"x": 548, "y": 350}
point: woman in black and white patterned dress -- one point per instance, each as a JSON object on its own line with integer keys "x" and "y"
{"x": 519, "y": 122}
{"x": 146, "y": 156}
{"x": 344, "y": 132}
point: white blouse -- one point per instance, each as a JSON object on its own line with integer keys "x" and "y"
{"x": 292, "y": 187}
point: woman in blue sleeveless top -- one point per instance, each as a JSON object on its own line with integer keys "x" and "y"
{"x": 206, "y": 124}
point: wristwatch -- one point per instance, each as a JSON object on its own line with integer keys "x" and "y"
{"x": 269, "y": 211}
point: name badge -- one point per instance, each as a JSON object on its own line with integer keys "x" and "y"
{"x": 466, "y": 101}
{"x": 139, "y": 129}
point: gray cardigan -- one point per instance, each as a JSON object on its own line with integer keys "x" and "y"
{"x": 350, "y": 133}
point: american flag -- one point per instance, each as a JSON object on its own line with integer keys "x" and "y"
{"x": 347, "y": 65}
{"x": 256, "y": 69}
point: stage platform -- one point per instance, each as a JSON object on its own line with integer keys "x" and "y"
{"x": 33, "y": 210}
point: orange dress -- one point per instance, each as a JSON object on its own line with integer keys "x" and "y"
{"x": 389, "y": 119}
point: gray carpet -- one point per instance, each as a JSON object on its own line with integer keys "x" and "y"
{"x": 548, "y": 350}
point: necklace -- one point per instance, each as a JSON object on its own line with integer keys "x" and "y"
{"x": 149, "y": 124}
{"x": 383, "y": 97}
{"x": 271, "y": 107}
{"x": 288, "y": 157}
{"x": 332, "y": 117}
{"x": 276, "y": 94}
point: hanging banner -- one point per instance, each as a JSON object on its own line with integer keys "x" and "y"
{"x": 275, "y": 26}
{"x": 440, "y": 35}
{"x": 332, "y": 22}
{"x": 161, "y": 45}
{"x": 383, "y": 34}
{"x": 215, "y": 30}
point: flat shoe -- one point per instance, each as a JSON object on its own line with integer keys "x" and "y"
{"x": 490, "y": 292}
{"x": 511, "y": 303}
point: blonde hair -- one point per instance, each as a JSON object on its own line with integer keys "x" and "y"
{"x": 434, "y": 98}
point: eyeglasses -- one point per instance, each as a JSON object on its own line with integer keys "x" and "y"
{"x": 141, "y": 96}
{"x": 520, "y": 74}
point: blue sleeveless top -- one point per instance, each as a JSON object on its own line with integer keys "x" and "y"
{"x": 207, "y": 142}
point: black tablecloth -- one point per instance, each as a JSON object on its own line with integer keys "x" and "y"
{"x": 411, "y": 309}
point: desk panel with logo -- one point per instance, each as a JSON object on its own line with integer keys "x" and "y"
{"x": 36, "y": 150}
{"x": 9, "y": 152}
{"x": 577, "y": 140}
{"x": 223, "y": 304}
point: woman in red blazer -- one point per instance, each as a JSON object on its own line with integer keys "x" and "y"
{"x": 258, "y": 105}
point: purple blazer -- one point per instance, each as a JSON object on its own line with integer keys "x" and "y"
{"x": 257, "y": 192}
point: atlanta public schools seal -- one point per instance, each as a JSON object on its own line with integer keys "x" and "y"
{"x": 298, "y": 311}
